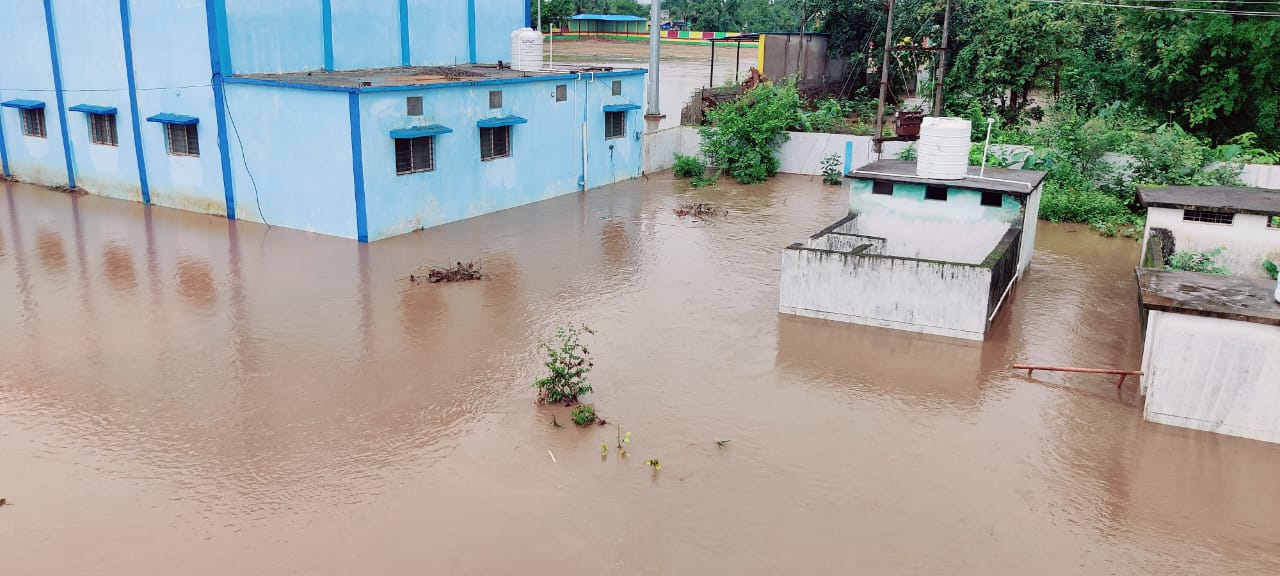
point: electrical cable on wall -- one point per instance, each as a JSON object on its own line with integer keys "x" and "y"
{"x": 257, "y": 200}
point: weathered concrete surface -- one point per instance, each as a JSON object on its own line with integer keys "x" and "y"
{"x": 1213, "y": 374}
{"x": 1210, "y": 295}
{"x": 1248, "y": 240}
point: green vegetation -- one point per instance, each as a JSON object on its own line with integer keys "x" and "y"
{"x": 653, "y": 463}
{"x": 743, "y": 136}
{"x": 584, "y": 415}
{"x": 832, "y": 169}
{"x": 568, "y": 363}
{"x": 1271, "y": 269}
{"x": 688, "y": 167}
{"x": 1198, "y": 261}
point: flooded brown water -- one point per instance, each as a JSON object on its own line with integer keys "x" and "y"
{"x": 180, "y": 394}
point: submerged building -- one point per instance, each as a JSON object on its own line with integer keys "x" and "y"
{"x": 1211, "y": 347}
{"x": 933, "y": 247}
{"x": 356, "y": 118}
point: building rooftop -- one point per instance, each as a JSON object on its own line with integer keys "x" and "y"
{"x": 415, "y": 75}
{"x": 1212, "y": 198}
{"x": 1212, "y": 295}
{"x": 1020, "y": 182}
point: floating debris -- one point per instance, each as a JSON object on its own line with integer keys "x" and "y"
{"x": 700, "y": 210}
{"x": 460, "y": 272}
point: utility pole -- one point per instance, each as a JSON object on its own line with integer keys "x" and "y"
{"x": 884, "y": 79}
{"x": 655, "y": 52}
{"x": 942, "y": 62}
{"x": 800, "y": 60}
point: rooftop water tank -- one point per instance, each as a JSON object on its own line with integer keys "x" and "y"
{"x": 526, "y": 50}
{"x": 942, "y": 153}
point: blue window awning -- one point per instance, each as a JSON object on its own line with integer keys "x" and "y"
{"x": 23, "y": 104}
{"x": 420, "y": 131}
{"x": 621, "y": 107}
{"x": 174, "y": 119}
{"x": 91, "y": 109}
{"x": 502, "y": 121}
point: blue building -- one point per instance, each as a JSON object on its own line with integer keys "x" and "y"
{"x": 356, "y": 118}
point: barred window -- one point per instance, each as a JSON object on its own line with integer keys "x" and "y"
{"x": 882, "y": 188}
{"x": 617, "y": 87}
{"x": 184, "y": 140}
{"x": 495, "y": 99}
{"x": 562, "y": 92}
{"x": 413, "y": 105}
{"x": 102, "y": 129}
{"x": 935, "y": 193}
{"x": 495, "y": 142}
{"x": 992, "y": 199}
{"x": 415, "y": 155}
{"x": 33, "y": 123}
{"x": 615, "y": 124}
{"x": 1208, "y": 217}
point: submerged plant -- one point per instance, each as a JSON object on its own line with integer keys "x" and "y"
{"x": 654, "y": 463}
{"x": 584, "y": 415}
{"x": 831, "y": 169}
{"x": 568, "y": 363}
{"x": 688, "y": 167}
{"x": 1205, "y": 262}
{"x": 723, "y": 443}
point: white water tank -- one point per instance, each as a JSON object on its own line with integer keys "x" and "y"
{"x": 942, "y": 153}
{"x": 526, "y": 50}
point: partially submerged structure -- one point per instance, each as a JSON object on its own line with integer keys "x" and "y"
{"x": 361, "y": 119}
{"x": 1244, "y": 221}
{"x": 1211, "y": 355}
{"x": 936, "y": 254}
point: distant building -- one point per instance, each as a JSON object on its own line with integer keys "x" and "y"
{"x": 608, "y": 25}
{"x": 1244, "y": 221}
{"x": 918, "y": 254}
{"x": 1211, "y": 354}
{"x": 355, "y": 118}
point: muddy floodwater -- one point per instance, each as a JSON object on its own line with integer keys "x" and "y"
{"x": 180, "y": 394}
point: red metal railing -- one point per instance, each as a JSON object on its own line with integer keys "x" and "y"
{"x": 1122, "y": 373}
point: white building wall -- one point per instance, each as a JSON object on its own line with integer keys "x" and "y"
{"x": 914, "y": 295}
{"x": 1212, "y": 374}
{"x": 1248, "y": 240}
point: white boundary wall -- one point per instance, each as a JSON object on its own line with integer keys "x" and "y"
{"x": 1212, "y": 374}
{"x": 803, "y": 153}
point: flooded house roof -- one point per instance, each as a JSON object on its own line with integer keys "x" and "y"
{"x": 1005, "y": 180}
{"x": 1212, "y": 198}
{"x": 417, "y": 75}
{"x": 1211, "y": 295}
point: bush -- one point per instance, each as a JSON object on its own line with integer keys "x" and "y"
{"x": 688, "y": 167}
{"x": 832, "y": 169}
{"x": 1168, "y": 156}
{"x": 1197, "y": 261}
{"x": 1272, "y": 270}
{"x": 568, "y": 362}
{"x": 744, "y": 135}
{"x": 584, "y": 415}
{"x": 909, "y": 153}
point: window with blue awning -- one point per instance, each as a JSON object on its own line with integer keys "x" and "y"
{"x": 91, "y": 109}
{"x": 621, "y": 107}
{"x": 176, "y": 119}
{"x": 23, "y": 104}
{"x": 420, "y": 132}
{"x": 501, "y": 121}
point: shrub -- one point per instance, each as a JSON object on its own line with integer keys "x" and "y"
{"x": 909, "y": 153}
{"x": 744, "y": 135}
{"x": 1168, "y": 156}
{"x": 568, "y": 364}
{"x": 1272, "y": 270}
{"x": 584, "y": 415}
{"x": 832, "y": 172}
{"x": 688, "y": 167}
{"x": 1197, "y": 261}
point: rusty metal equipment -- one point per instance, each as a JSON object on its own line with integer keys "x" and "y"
{"x": 1030, "y": 368}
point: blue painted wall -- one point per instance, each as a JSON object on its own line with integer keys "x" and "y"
{"x": 171, "y": 53}
{"x": 300, "y": 172}
{"x": 495, "y": 21}
{"x": 93, "y": 72}
{"x": 546, "y": 159}
{"x": 438, "y": 32}
{"x": 276, "y": 36}
{"x": 908, "y": 201}
{"x": 366, "y": 34}
{"x": 26, "y": 73}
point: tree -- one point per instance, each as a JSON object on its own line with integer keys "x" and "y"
{"x": 553, "y": 11}
{"x": 1216, "y": 74}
